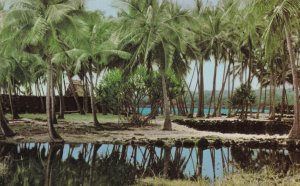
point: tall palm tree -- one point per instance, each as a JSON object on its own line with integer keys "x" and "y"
{"x": 154, "y": 27}
{"x": 3, "y": 121}
{"x": 198, "y": 14}
{"x": 37, "y": 26}
{"x": 93, "y": 50}
{"x": 213, "y": 41}
{"x": 283, "y": 14}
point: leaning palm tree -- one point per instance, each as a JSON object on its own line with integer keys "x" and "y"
{"x": 157, "y": 32}
{"x": 37, "y": 27}
{"x": 282, "y": 15}
{"x": 3, "y": 121}
{"x": 93, "y": 50}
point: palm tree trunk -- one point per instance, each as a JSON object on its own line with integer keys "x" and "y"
{"x": 249, "y": 73}
{"x": 93, "y": 105}
{"x": 75, "y": 95}
{"x": 265, "y": 101}
{"x": 228, "y": 92}
{"x": 219, "y": 106}
{"x": 167, "y": 157}
{"x": 295, "y": 131}
{"x": 272, "y": 94}
{"x": 41, "y": 98}
{"x": 259, "y": 101}
{"x": 232, "y": 87}
{"x": 167, "y": 122}
{"x": 94, "y": 156}
{"x": 49, "y": 179}
{"x": 200, "y": 91}
{"x": 213, "y": 93}
{"x": 61, "y": 100}
{"x": 14, "y": 114}
{"x": 4, "y": 123}
{"x": 54, "y": 136}
{"x": 283, "y": 100}
{"x": 191, "y": 113}
{"x": 85, "y": 95}
{"x": 52, "y": 94}
{"x": 200, "y": 162}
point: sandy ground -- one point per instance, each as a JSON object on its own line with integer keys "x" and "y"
{"x": 36, "y": 131}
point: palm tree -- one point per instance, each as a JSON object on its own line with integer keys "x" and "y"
{"x": 283, "y": 14}
{"x": 93, "y": 50}
{"x": 154, "y": 27}
{"x": 38, "y": 26}
{"x": 213, "y": 42}
{"x": 4, "y": 123}
{"x": 198, "y": 14}
{"x": 10, "y": 71}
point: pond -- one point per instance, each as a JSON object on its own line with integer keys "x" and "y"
{"x": 147, "y": 110}
{"x": 109, "y": 164}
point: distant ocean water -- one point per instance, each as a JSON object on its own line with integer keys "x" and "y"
{"x": 147, "y": 110}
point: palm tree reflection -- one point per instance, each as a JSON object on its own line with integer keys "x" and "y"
{"x": 96, "y": 164}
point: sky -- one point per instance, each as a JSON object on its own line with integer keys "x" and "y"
{"x": 109, "y": 7}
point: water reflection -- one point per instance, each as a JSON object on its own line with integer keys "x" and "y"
{"x": 107, "y": 164}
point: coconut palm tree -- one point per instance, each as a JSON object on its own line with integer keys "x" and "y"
{"x": 94, "y": 49}
{"x": 198, "y": 14}
{"x": 214, "y": 38}
{"x": 281, "y": 17}
{"x": 154, "y": 27}
{"x": 37, "y": 27}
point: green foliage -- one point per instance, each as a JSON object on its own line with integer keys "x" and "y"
{"x": 110, "y": 90}
{"x": 121, "y": 93}
{"x": 242, "y": 96}
{"x": 242, "y": 99}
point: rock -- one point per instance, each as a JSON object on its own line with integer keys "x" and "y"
{"x": 202, "y": 143}
{"x": 178, "y": 143}
{"x": 159, "y": 143}
{"x": 133, "y": 142}
{"x": 151, "y": 142}
{"x": 188, "y": 143}
{"x": 274, "y": 144}
{"x": 118, "y": 142}
{"x": 252, "y": 144}
{"x": 227, "y": 144}
{"x": 233, "y": 143}
{"x": 218, "y": 143}
{"x": 291, "y": 144}
{"x": 264, "y": 144}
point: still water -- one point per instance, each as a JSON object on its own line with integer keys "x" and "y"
{"x": 147, "y": 110}
{"x": 108, "y": 164}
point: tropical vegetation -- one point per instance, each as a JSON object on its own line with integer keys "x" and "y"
{"x": 142, "y": 57}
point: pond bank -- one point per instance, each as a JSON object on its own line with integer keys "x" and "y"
{"x": 28, "y": 163}
{"x": 35, "y": 131}
{"x": 249, "y": 179}
{"x": 238, "y": 126}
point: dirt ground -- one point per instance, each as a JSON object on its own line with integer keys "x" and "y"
{"x": 29, "y": 130}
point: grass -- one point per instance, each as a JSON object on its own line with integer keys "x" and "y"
{"x": 75, "y": 117}
{"x": 87, "y": 118}
{"x": 166, "y": 182}
{"x": 262, "y": 178}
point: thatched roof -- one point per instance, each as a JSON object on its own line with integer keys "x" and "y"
{"x": 78, "y": 88}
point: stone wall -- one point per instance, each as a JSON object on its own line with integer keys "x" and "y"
{"x": 35, "y": 104}
{"x": 238, "y": 126}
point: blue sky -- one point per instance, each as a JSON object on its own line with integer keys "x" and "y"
{"x": 109, "y": 8}
{"x": 108, "y": 5}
